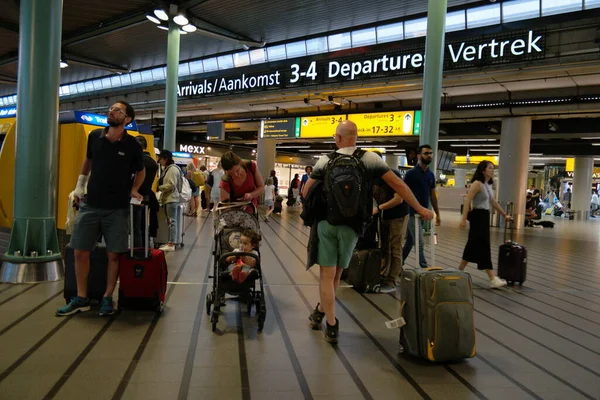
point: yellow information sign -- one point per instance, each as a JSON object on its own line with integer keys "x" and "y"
{"x": 474, "y": 159}
{"x": 320, "y": 127}
{"x": 397, "y": 123}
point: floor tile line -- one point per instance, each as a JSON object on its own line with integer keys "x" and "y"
{"x": 540, "y": 367}
{"x": 184, "y": 387}
{"x": 34, "y": 348}
{"x": 242, "y": 354}
{"x": 500, "y": 294}
{"x": 449, "y": 249}
{"x": 18, "y": 294}
{"x": 300, "y": 377}
{"x": 531, "y": 267}
{"x": 77, "y": 362}
{"x": 510, "y": 378}
{"x": 8, "y": 287}
{"x": 385, "y": 353}
{"x": 30, "y": 312}
{"x": 450, "y": 370}
{"x": 142, "y": 346}
{"x": 356, "y": 379}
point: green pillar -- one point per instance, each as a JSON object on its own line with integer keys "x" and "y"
{"x": 432, "y": 77}
{"x": 171, "y": 90}
{"x": 33, "y": 253}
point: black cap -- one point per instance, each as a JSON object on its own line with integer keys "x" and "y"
{"x": 166, "y": 154}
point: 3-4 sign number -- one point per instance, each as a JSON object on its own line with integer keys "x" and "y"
{"x": 311, "y": 72}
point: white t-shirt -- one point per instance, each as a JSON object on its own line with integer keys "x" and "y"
{"x": 269, "y": 192}
{"x": 595, "y": 199}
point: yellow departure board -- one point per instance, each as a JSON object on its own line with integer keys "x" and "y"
{"x": 320, "y": 127}
{"x": 397, "y": 123}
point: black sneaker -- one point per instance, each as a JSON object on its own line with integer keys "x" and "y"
{"x": 332, "y": 332}
{"x": 316, "y": 318}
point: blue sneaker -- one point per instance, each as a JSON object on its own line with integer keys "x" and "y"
{"x": 77, "y": 304}
{"x": 106, "y": 306}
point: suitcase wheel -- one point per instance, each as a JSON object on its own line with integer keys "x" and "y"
{"x": 401, "y": 349}
{"x": 160, "y": 307}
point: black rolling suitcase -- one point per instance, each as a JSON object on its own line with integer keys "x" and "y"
{"x": 364, "y": 271}
{"x": 512, "y": 257}
{"x": 96, "y": 278}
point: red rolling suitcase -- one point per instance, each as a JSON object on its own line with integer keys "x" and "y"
{"x": 142, "y": 275}
{"x": 512, "y": 257}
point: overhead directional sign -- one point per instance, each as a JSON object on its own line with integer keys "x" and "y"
{"x": 397, "y": 123}
{"x": 280, "y": 128}
{"x": 320, "y": 127}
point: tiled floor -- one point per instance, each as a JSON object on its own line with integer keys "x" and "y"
{"x": 541, "y": 341}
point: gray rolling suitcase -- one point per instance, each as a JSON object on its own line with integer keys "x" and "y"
{"x": 437, "y": 306}
{"x": 162, "y": 236}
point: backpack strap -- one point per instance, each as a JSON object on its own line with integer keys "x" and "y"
{"x": 359, "y": 153}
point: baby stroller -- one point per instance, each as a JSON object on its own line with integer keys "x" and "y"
{"x": 230, "y": 221}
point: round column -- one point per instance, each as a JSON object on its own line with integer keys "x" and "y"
{"x": 515, "y": 139}
{"x": 392, "y": 161}
{"x": 460, "y": 178}
{"x": 582, "y": 187}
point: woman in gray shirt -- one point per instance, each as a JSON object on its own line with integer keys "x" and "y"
{"x": 478, "y": 248}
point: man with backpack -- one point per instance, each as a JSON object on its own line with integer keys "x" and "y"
{"x": 348, "y": 176}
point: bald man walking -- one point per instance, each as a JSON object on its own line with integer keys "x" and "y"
{"x": 337, "y": 239}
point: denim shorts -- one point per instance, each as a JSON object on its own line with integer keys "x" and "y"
{"x": 92, "y": 222}
{"x": 336, "y": 244}
{"x": 269, "y": 203}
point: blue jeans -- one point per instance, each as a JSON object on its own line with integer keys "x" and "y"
{"x": 171, "y": 210}
{"x": 410, "y": 234}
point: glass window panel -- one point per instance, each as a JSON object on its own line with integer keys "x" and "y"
{"x": 210, "y": 64}
{"x": 159, "y": 73}
{"x": 60, "y": 93}
{"x": 80, "y": 88}
{"x": 296, "y": 49}
{"x": 65, "y": 90}
{"x": 126, "y": 79}
{"x": 364, "y": 37}
{"x": 520, "y": 10}
{"x": 115, "y": 81}
{"x": 196, "y": 67}
{"x": 225, "y": 62}
{"x": 73, "y": 89}
{"x": 106, "y": 83}
{"x": 551, "y": 7}
{"x": 339, "y": 41}
{"x": 390, "y": 33}
{"x": 184, "y": 70}
{"x": 146, "y": 76}
{"x": 97, "y": 84}
{"x": 14, "y": 99}
{"x": 415, "y": 28}
{"x": 276, "y": 52}
{"x": 456, "y": 21}
{"x": 316, "y": 45}
{"x": 136, "y": 78}
{"x": 89, "y": 86}
{"x": 241, "y": 59}
{"x": 483, "y": 16}
{"x": 592, "y": 4}
{"x": 258, "y": 56}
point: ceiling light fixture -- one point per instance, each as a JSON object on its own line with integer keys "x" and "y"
{"x": 153, "y": 19}
{"x": 475, "y": 145}
{"x": 63, "y": 64}
{"x": 181, "y": 20}
{"x": 161, "y": 14}
{"x": 164, "y": 28}
{"x": 189, "y": 28}
{"x": 590, "y": 138}
{"x": 182, "y": 32}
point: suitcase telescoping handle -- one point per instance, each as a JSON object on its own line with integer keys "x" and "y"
{"x": 432, "y": 240}
{"x": 132, "y": 230}
{"x": 509, "y": 212}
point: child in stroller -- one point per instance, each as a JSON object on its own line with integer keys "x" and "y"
{"x": 244, "y": 267}
{"x": 237, "y": 235}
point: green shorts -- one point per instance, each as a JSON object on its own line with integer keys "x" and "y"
{"x": 336, "y": 244}
{"x": 91, "y": 222}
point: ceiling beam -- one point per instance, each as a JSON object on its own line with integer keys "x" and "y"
{"x": 90, "y": 62}
{"x": 106, "y": 27}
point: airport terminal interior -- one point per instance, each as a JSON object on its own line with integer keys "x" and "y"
{"x": 513, "y": 82}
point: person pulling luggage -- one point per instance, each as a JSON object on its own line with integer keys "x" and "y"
{"x": 348, "y": 174}
{"x": 113, "y": 157}
{"x": 478, "y": 248}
